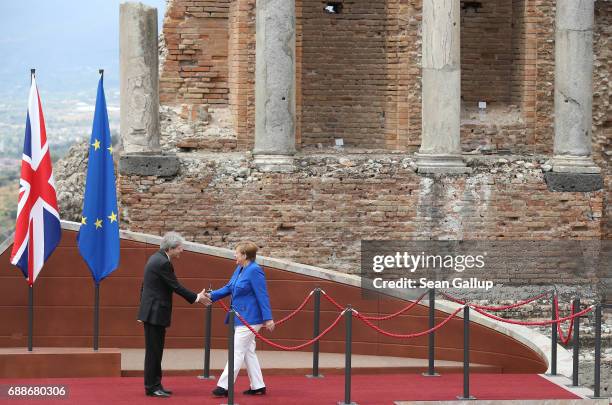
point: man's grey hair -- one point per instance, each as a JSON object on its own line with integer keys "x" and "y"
{"x": 171, "y": 240}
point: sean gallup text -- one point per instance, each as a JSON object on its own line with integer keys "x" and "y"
{"x": 406, "y": 283}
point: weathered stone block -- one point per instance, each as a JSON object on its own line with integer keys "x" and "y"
{"x": 149, "y": 165}
{"x": 573, "y": 182}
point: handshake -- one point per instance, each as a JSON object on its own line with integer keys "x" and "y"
{"x": 204, "y": 298}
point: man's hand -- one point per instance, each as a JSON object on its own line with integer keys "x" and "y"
{"x": 204, "y": 298}
{"x": 269, "y": 325}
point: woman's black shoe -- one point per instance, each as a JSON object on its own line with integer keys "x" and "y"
{"x": 219, "y": 392}
{"x": 258, "y": 391}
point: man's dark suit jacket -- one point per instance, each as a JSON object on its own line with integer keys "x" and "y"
{"x": 157, "y": 287}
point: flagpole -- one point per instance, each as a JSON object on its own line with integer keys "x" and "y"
{"x": 31, "y": 285}
{"x": 96, "y": 317}
{"x": 30, "y": 316}
{"x": 97, "y": 296}
{"x": 96, "y": 337}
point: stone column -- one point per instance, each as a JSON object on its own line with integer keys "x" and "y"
{"x": 138, "y": 54}
{"x": 574, "y": 87}
{"x": 275, "y": 85}
{"x": 139, "y": 80}
{"x": 440, "y": 150}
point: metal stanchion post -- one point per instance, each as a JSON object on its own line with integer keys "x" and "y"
{"x": 348, "y": 320}
{"x": 466, "y": 355}
{"x": 553, "y": 338}
{"x": 576, "y": 320}
{"x": 207, "y": 341}
{"x": 315, "y": 333}
{"x": 597, "y": 380}
{"x": 431, "y": 372}
{"x": 230, "y": 358}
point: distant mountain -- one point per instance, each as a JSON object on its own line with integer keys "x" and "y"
{"x": 67, "y": 41}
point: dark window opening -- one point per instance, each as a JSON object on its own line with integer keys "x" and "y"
{"x": 333, "y": 7}
{"x": 471, "y": 6}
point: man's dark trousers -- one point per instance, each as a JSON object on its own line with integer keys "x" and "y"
{"x": 155, "y": 337}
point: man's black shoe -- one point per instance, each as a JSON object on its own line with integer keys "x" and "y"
{"x": 219, "y": 392}
{"x": 169, "y": 392}
{"x": 258, "y": 391}
{"x": 158, "y": 393}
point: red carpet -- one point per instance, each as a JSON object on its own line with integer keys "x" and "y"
{"x": 297, "y": 390}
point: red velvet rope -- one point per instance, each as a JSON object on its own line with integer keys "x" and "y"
{"x": 410, "y": 335}
{"x": 401, "y": 311}
{"x": 487, "y": 308}
{"x": 563, "y": 339}
{"x": 378, "y": 318}
{"x": 291, "y": 315}
{"x": 541, "y": 323}
{"x": 366, "y": 319}
{"x": 278, "y": 346}
{"x": 332, "y": 301}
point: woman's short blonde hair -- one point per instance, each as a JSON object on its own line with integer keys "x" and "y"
{"x": 247, "y": 248}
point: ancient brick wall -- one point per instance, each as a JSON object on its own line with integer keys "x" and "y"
{"x": 344, "y": 74}
{"x": 335, "y": 56}
{"x": 358, "y": 72}
{"x": 545, "y": 74}
{"x": 242, "y": 70}
{"x": 602, "y": 103}
{"x": 523, "y": 84}
{"x": 358, "y": 78}
{"x": 487, "y": 52}
{"x": 195, "y": 68}
{"x": 319, "y": 214}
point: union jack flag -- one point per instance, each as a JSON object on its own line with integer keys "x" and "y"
{"x": 38, "y": 228}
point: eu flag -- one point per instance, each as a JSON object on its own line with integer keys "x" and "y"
{"x": 98, "y": 237}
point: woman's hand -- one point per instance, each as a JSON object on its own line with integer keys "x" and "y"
{"x": 269, "y": 325}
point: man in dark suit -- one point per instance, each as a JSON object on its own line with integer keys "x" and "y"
{"x": 156, "y": 308}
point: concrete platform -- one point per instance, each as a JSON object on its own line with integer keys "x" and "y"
{"x": 191, "y": 362}
{"x": 54, "y": 362}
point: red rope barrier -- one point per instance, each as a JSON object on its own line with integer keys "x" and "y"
{"x": 401, "y": 311}
{"x": 541, "y": 323}
{"x": 291, "y": 315}
{"x": 376, "y": 318}
{"x": 410, "y": 335}
{"x": 278, "y": 346}
{"x": 332, "y": 301}
{"x": 366, "y": 319}
{"x": 563, "y": 339}
{"x": 487, "y": 308}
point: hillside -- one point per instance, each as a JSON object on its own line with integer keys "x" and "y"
{"x": 8, "y": 208}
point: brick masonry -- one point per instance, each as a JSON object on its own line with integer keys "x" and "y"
{"x": 319, "y": 214}
{"x": 358, "y": 78}
{"x": 602, "y": 104}
{"x": 195, "y": 70}
{"x": 358, "y": 72}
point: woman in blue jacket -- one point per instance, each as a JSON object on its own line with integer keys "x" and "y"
{"x": 250, "y": 299}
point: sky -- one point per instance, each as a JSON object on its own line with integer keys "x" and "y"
{"x": 66, "y": 41}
